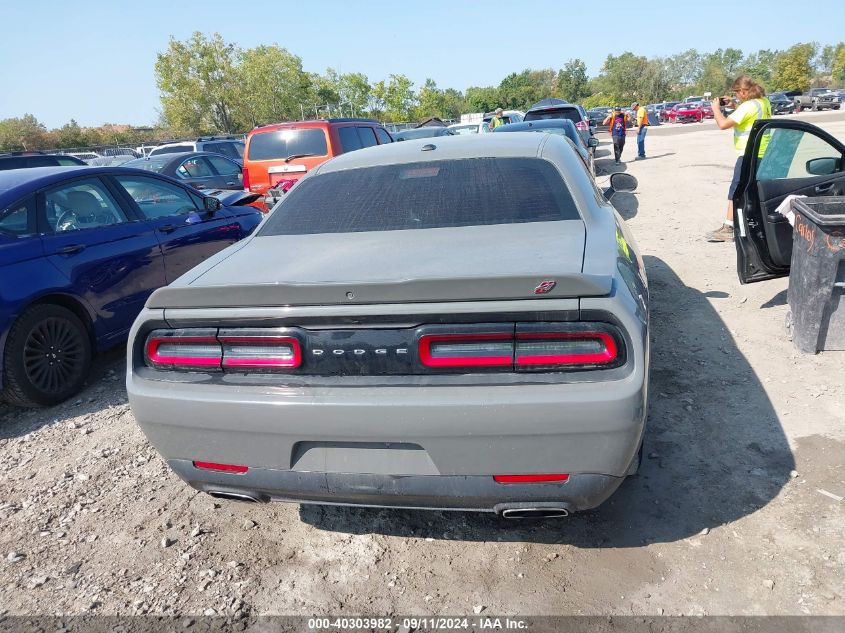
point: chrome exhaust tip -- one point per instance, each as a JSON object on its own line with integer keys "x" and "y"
{"x": 534, "y": 513}
{"x": 235, "y": 496}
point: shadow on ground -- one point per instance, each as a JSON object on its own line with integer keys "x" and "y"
{"x": 715, "y": 450}
{"x": 99, "y": 393}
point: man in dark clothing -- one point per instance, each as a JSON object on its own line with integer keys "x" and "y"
{"x": 618, "y": 122}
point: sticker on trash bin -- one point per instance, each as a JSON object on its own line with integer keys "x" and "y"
{"x": 835, "y": 241}
{"x": 806, "y": 231}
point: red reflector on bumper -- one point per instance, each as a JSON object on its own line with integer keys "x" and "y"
{"x": 223, "y": 468}
{"x": 531, "y": 479}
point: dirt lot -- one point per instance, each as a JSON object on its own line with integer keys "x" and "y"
{"x": 735, "y": 510}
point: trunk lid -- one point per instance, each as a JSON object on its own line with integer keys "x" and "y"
{"x": 504, "y": 261}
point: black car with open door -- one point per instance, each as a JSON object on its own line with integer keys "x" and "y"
{"x": 783, "y": 157}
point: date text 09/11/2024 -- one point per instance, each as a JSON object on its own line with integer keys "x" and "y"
{"x": 417, "y": 624}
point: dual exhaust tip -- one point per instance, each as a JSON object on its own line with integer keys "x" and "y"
{"x": 514, "y": 511}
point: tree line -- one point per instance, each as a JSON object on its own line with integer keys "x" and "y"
{"x": 208, "y": 85}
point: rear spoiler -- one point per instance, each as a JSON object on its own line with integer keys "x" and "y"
{"x": 232, "y": 198}
{"x": 553, "y": 286}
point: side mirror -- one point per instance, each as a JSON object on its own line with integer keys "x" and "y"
{"x": 623, "y": 182}
{"x": 212, "y": 205}
{"x": 822, "y": 166}
{"x": 593, "y": 142}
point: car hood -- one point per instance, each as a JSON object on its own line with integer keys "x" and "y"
{"x": 425, "y": 265}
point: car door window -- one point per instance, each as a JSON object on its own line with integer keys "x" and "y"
{"x": 17, "y": 219}
{"x": 368, "y": 138}
{"x": 82, "y": 204}
{"x": 349, "y": 139}
{"x": 224, "y": 166}
{"x": 196, "y": 167}
{"x": 383, "y": 136}
{"x": 787, "y": 154}
{"x": 156, "y": 198}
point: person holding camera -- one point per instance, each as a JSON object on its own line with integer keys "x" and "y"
{"x": 750, "y": 104}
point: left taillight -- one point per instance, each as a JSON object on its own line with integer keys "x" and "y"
{"x": 231, "y": 350}
{"x": 259, "y": 349}
{"x": 183, "y": 349}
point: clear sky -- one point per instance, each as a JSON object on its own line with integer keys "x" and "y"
{"x": 93, "y": 60}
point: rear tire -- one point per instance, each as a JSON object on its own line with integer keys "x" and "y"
{"x": 47, "y": 357}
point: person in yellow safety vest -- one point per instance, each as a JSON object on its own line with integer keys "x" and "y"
{"x": 642, "y": 128}
{"x": 497, "y": 119}
{"x": 751, "y": 104}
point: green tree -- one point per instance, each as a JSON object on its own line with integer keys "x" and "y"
{"x": 355, "y": 91}
{"x": 837, "y": 67}
{"x": 272, "y": 86}
{"x": 624, "y": 78}
{"x": 199, "y": 84}
{"x": 760, "y": 66}
{"x": 394, "y": 98}
{"x": 480, "y": 99}
{"x": 520, "y": 90}
{"x": 24, "y": 133}
{"x": 793, "y": 68}
{"x": 572, "y": 83}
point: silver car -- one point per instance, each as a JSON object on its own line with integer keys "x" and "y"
{"x": 442, "y": 323}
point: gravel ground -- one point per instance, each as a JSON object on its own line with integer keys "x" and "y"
{"x": 737, "y": 510}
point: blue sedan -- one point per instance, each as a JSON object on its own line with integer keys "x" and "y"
{"x": 81, "y": 249}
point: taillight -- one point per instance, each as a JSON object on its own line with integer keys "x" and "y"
{"x": 183, "y": 349}
{"x": 259, "y": 350}
{"x": 246, "y": 179}
{"x": 466, "y": 350}
{"x": 229, "y": 349}
{"x": 285, "y": 185}
{"x": 562, "y": 349}
{"x": 582, "y": 125}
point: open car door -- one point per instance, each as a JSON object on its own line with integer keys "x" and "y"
{"x": 783, "y": 157}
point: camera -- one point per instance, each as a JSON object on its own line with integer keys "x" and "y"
{"x": 724, "y": 101}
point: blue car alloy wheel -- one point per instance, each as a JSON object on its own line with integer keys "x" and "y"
{"x": 47, "y": 357}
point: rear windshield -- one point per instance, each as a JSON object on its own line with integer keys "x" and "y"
{"x": 285, "y": 143}
{"x": 172, "y": 149}
{"x": 150, "y": 164}
{"x": 563, "y": 113}
{"x": 467, "y": 192}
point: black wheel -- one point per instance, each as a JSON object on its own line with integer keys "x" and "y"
{"x": 48, "y": 355}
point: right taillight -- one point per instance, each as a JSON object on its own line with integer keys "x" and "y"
{"x": 576, "y": 346}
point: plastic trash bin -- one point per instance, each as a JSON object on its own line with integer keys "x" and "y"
{"x": 817, "y": 275}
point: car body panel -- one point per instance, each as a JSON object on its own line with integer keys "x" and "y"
{"x": 764, "y": 237}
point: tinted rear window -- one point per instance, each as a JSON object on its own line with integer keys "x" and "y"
{"x": 284, "y": 143}
{"x": 466, "y": 192}
{"x": 173, "y": 149}
{"x": 562, "y": 113}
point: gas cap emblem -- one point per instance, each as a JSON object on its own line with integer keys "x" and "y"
{"x": 544, "y": 287}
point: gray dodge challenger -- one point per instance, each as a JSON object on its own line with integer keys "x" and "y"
{"x": 452, "y": 323}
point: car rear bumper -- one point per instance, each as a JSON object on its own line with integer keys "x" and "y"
{"x": 409, "y": 446}
{"x": 434, "y": 492}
